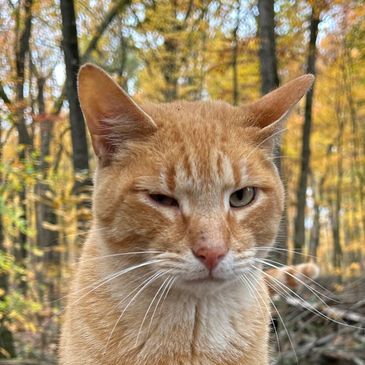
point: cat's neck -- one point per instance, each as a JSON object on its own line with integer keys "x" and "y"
{"x": 191, "y": 325}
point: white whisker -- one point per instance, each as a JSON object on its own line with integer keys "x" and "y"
{"x": 150, "y": 305}
{"x": 171, "y": 279}
{"x": 168, "y": 291}
{"x": 281, "y": 319}
{"x": 265, "y": 140}
{"x": 303, "y": 283}
{"x": 308, "y": 306}
{"x": 149, "y": 281}
{"x": 312, "y": 290}
{"x": 112, "y": 277}
{"x": 247, "y": 282}
{"x": 119, "y": 255}
{"x": 273, "y": 248}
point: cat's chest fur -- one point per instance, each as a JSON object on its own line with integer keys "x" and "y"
{"x": 221, "y": 328}
{"x": 195, "y": 329}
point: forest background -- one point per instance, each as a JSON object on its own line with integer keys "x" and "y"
{"x": 162, "y": 50}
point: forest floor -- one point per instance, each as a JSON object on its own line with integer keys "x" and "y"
{"x": 326, "y": 328}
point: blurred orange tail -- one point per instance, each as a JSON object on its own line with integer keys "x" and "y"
{"x": 293, "y": 276}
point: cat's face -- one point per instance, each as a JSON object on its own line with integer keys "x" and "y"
{"x": 194, "y": 184}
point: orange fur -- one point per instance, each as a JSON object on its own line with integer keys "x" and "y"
{"x": 293, "y": 277}
{"x": 194, "y": 156}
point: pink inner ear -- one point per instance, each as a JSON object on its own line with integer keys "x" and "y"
{"x": 109, "y": 135}
{"x": 103, "y": 140}
{"x": 267, "y": 116}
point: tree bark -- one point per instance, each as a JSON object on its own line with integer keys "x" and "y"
{"x": 336, "y": 218}
{"x": 170, "y": 70}
{"x": 235, "y": 86}
{"x": 80, "y": 157}
{"x": 299, "y": 229}
{"x": 315, "y": 231}
{"x": 270, "y": 81}
{"x": 358, "y": 168}
{"x": 122, "y": 80}
{"x": 6, "y": 336}
{"x": 47, "y": 239}
{"x": 318, "y": 197}
{"x": 267, "y": 52}
{"x": 24, "y": 138}
{"x": 22, "y": 49}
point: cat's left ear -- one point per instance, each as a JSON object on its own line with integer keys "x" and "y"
{"x": 112, "y": 117}
{"x": 269, "y": 113}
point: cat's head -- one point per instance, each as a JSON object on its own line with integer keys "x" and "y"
{"x": 193, "y": 184}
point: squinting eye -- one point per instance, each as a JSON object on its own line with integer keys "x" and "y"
{"x": 242, "y": 197}
{"x": 161, "y": 199}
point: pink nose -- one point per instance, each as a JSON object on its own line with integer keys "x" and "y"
{"x": 210, "y": 256}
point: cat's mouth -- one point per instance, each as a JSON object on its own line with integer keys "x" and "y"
{"x": 209, "y": 279}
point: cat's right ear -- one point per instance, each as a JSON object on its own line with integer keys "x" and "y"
{"x": 111, "y": 115}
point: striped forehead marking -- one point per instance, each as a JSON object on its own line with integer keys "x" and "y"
{"x": 192, "y": 173}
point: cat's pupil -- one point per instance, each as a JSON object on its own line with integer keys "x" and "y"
{"x": 239, "y": 194}
{"x": 164, "y": 200}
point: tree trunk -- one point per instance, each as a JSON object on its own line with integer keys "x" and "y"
{"x": 72, "y": 61}
{"x": 358, "y": 168}
{"x": 170, "y": 71}
{"x": 122, "y": 80}
{"x": 315, "y": 232}
{"x": 267, "y": 52}
{"x": 6, "y": 336}
{"x": 318, "y": 198}
{"x": 24, "y": 138}
{"x": 270, "y": 81}
{"x": 80, "y": 156}
{"x": 336, "y": 218}
{"x": 47, "y": 239}
{"x": 235, "y": 86}
{"x": 22, "y": 49}
{"x": 299, "y": 229}
{"x": 202, "y": 71}
{"x": 336, "y": 225}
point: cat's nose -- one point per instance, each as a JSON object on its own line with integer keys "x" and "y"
{"x": 210, "y": 256}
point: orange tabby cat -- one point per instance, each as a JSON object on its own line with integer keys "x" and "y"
{"x": 186, "y": 201}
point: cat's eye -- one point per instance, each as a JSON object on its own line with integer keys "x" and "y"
{"x": 242, "y": 197}
{"x": 164, "y": 200}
